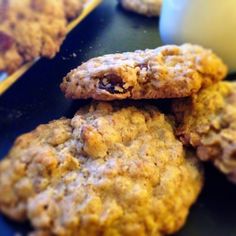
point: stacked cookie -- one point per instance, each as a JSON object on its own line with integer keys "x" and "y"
{"x": 207, "y": 122}
{"x": 33, "y": 28}
{"x": 124, "y": 167}
{"x": 203, "y": 107}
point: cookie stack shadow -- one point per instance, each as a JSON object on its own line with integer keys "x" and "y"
{"x": 121, "y": 165}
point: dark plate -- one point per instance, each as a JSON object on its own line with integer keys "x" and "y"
{"x": 36, "y": 98}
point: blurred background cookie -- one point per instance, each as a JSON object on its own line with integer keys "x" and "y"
{"x": 30, "y": 29}
{"x": 143, "y": 7}
{"x": 33, "y": 28}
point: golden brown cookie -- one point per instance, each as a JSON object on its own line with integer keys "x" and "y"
{"x": 111, "y": 170}
{"x": 143, "y": 7}
{"x": 164, "y": 72}
{"x": 207, "y": 121}
{"x": 30, "y": 29}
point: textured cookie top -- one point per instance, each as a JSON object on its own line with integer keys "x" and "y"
{"x": 29, "y": 29}
{"x": 164, "y": 72}
{"x": 144, "y": 7}
{"x": 108, "y": 171}
{"x": 33, "y": 28}
{"x": 207, "y": 121}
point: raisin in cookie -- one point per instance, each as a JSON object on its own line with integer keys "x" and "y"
{"x": 108, "y": 171}
{"x": 144, "y": 7}
{"x": 29, "y": 29}
{"x": 165, "y": 72}
{"x": 207, "y": 121}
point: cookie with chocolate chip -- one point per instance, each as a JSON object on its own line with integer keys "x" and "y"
{"x": 165, "y": 72}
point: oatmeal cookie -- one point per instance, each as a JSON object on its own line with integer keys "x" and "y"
{"x": 164, "y": 72}
{"x": 144, "y": 7}
{"x": 207, "y": 121}
{"x": 110, "y": 170}
{"x": 29, "y": 29}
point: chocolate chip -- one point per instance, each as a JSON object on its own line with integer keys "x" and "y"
{"x": 233, "y": 155}
{"x": 112, "y": 83}
{"x": 67, "y": 79}
{"x": 143, "y": 66}
{"x": 20, "y": 15}
{"x": 6, "y": 41}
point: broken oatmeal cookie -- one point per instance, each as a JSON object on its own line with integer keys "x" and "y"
{"x": 164, "y": 72}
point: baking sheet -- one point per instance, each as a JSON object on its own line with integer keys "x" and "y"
{"x": 6, "y": 81}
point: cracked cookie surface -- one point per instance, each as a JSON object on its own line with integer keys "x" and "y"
{"x": 144, "y": 7}
{"x": 207, "y": 121}
{"x": 164, "y": 72}
{"x": 110, "y": 170}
